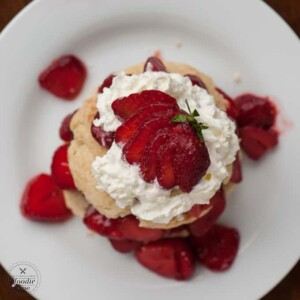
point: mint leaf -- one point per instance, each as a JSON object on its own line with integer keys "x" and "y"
{"x": 191, "y": 118}
{"x": 195, "y": 113}
{"x": 179, "y": 118}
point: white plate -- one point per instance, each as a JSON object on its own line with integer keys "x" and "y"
{"x": 218, "y": 37}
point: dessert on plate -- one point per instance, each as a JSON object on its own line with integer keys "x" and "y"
{"x": 148, "y": 161}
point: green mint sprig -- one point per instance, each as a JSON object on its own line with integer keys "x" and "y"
{"x": 191, "y": 118}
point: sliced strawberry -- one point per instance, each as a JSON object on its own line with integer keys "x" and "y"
{"x": 149, "y": 159}
{"x": 120, "y": 228}
{"x": 106, "y": 83}
{"x": 190, "y": 157}
{"x": 232, "y": 109}
{"x": 172, "y": 258}
{"x": 256, "y": 141}
{"x": 64, "y": 77}
{"x": 255, "y": 111}
{"x": 196, "y": 81}
{"x": 43, "y": 200}
{"x": 203, "y": 224}
{"x": 217, "y": 249}
{"x": 65, "y": 132}
{"x": 124, "y": 246}
{"x": 237, "y": 174}
{"x": 134, "y": 148}
{"x": 154, "y": 64}
{"x": 60, "y": 170}
{"x": 125, "y": 107}
{"x": 101, "y": 224}
{"x": 104, "y": 138}
{"x": 129, "y": 226}
{"x": 198, "y": 209}
{"x": 165, "y": 170}
{"x": 183, "y": 160}
{"x": 131, "y": 125}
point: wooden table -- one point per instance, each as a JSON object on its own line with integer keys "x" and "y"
{"x": 289, "y": 287}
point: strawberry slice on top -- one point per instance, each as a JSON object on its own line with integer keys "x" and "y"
{"x": 156, "y": 110}
{"x": 125, "y": 107}
{"x": 163, "y": 140}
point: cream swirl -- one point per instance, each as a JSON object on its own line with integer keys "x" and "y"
{"x": 148, "y": 201}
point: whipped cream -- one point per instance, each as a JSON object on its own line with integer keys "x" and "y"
{"x": 149, "y": 201}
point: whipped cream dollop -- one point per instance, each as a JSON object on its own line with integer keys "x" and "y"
{"x": 149, "y": 201}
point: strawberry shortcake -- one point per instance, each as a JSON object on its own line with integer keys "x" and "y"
{"x": 148, "y": 161}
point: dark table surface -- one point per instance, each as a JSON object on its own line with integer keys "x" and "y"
{"x": 289, "y": 287}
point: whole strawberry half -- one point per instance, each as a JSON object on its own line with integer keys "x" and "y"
{"x": 172, "y": 258}
{"x": 257, "y": 141}
{"x": 106, "y": 83}
{"x": 64, "y": 77}
{"x": 124, "y": 246}
{"x": 121, "y": 228}
{"x": 104, "y": 138}
{"x": 154, "y": 64}
{"x": 255, "y": 111}
{"x": 217, "y": 249}
{"x": 237, "y": 173}
{"x": 170, "y": 152}
{"x": 203, "y": 224}
{"x": 43, "y": 200}
{"x": 196, "y": 81}
{"x": 65, "y": 132}
{"x": 60, "y": 170}
{"x": 232, "y": 108}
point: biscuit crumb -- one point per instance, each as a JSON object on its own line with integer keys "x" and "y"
{"x": 237, "y": 77}
{"x": 158, "y": 54}
{"x": 90, "y": 233}
{"x": 207, "y": 176}
{"x": 178, "y": 44}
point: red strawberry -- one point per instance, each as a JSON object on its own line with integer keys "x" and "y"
{"x": 197, "y": 209}
{"x": 60, "y": 170}
{"x": 217, "y": 249}
{"x": 134, "y": 148}
{"x": 171, "y": 152}
{"x": 65, "y": 132}
{"x": 237, "y": 174}
{"x": 120, "y": 228}
{"x": 232, "y": 109}
{"x": 171, "y": 258}
{"x": 131, "y": 230}
{"x": 255, "y": 111}
{"x": 124, "y": 246}
{"x": 125, "y": 107}
{"x": 100, "y": 224}
{"x": 149, "y": 159}
{"x": 43, "y": 200}
{"x": 203, "y": 224}
{"x": 166, "y": 176}
{"x": 64, "y": 77}
{"x": 190, "y": 157}
{"x": 154, "y": 64}
{"x": 106, "y": 83}
{"x": 196, "y": 81}
{"x": 131, "y": 125}
{"x": 256, "y": 141}
{"x": 104, "y": 138}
